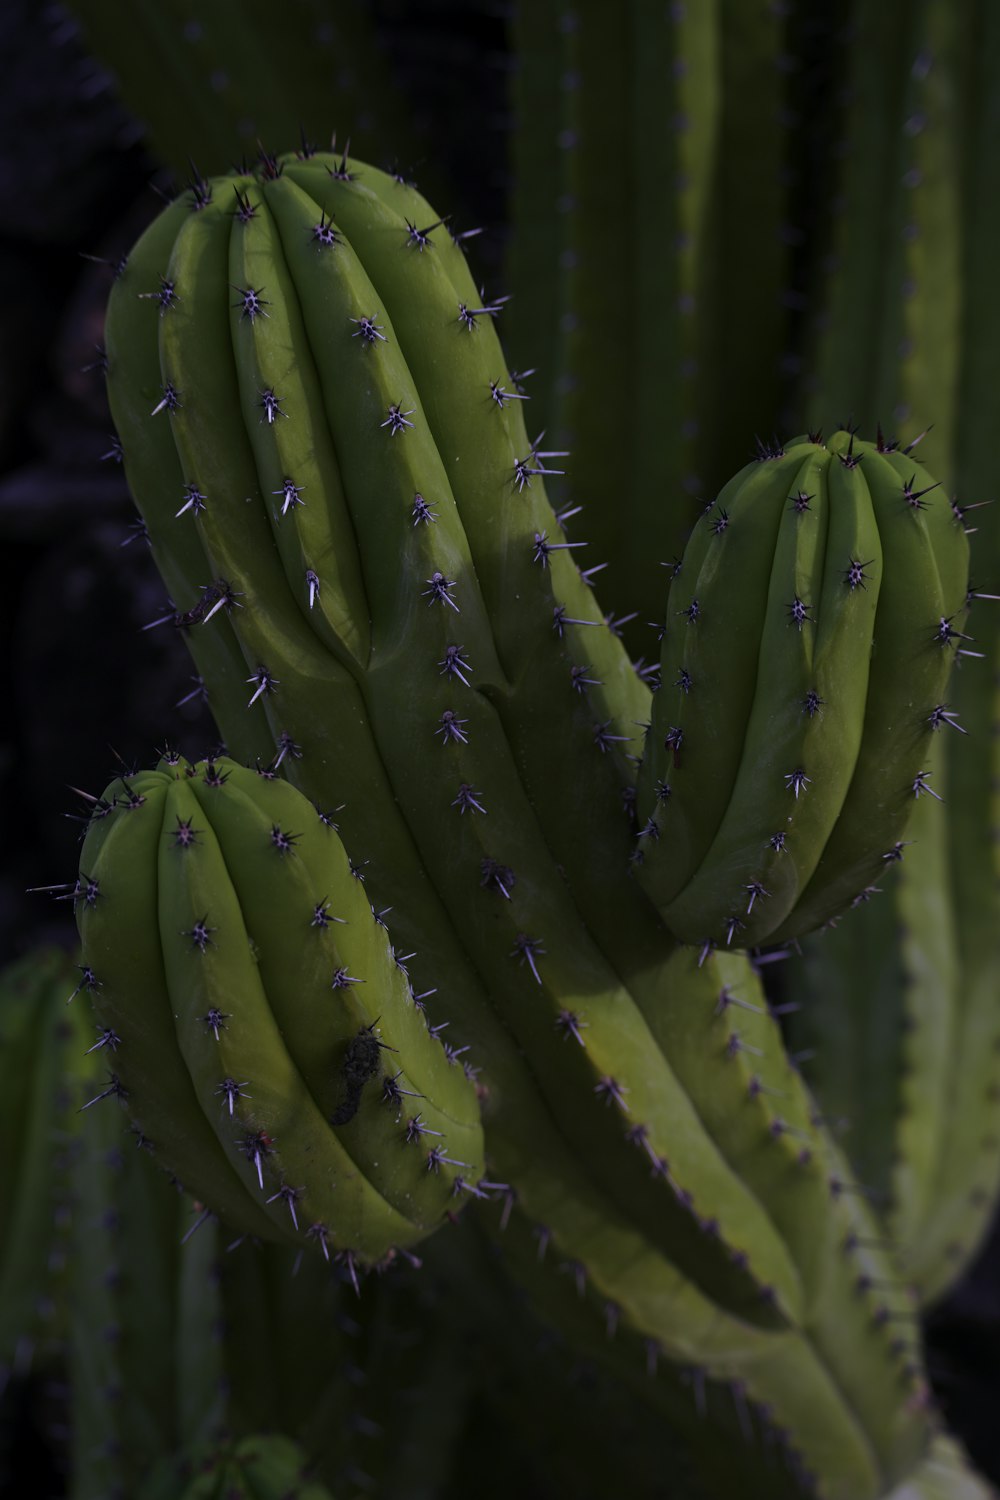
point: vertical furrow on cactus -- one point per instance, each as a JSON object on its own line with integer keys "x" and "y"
{"x": 202, "y": 1390}
{"x": 751, "y": 270}
{"x": 930, "y": 963}
{"x": 918, "y": 364}
{"x": 675, "y": 72}
{"x": 136, "y": 389}
{"x": 121, "y": 851}
{"x": 863, "y": 267}
{"x": 541, "y": 89}
{"x": 700, "y": 715}
{"x": 601, "y": 175}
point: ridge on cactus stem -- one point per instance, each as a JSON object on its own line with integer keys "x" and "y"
{"x": 811, "y": 628}
{"x": 256, "y": 1006}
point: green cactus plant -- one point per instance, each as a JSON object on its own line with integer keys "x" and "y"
{"x": 812, "y": 624}
{"x": 248, "y": 1027}
{"x": 312, "y": 400}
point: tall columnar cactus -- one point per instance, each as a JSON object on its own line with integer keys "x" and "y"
{"x": 646, "y": 140}
{"x": 812, "y": 624}
{"x": 332, "y": 463}
{"x": 258, "y": 1024}
{"x": 43, "y": 1069}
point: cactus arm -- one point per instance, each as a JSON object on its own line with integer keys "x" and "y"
{"x": 184, "y": 1139}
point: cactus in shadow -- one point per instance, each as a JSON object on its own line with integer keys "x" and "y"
{"x": 261, "y": 1030}
{"x": 334, "y": 470}
{"x": 263, "y": 1467}
{"x": 194, "y": 77}
{"x": 187, "y": 1339}
{"x": 902, "y": 1011}
{"x": 43, "y": 1064}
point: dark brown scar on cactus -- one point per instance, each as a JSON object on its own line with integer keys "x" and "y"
{"x": 361, "y": 1062}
